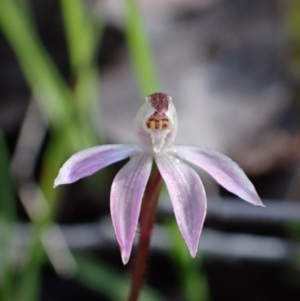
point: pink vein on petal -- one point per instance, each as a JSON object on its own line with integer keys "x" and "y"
{"x": 187, "y": 195}
{"x": 89, "y": 161}
{"x": 225, "y": 171}
{"x": 126, "y": 197}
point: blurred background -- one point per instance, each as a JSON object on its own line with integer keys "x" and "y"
{"x": 73, "y": 74}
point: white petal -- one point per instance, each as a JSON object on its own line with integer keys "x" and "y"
{"x": 187, "y": 195}
{"x": 225, "y": 171}
{"x": 88, "y": 161}
{"x": 126, "y": 197}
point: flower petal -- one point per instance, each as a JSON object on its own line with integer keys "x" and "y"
{"x": 226, "y": 172}
{"x": 88, "y": 161}
{"x": 187, "y": 195}
{"x": 126, "y": 197}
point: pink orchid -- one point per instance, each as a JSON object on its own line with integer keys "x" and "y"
{"x": 155, "y": 128}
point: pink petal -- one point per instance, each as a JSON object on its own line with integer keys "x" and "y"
{"x": 126, "y": 197}
{"x": 226, "y": 172}
{"x": 188, "y": 198}
{"x": 88, "y": 161}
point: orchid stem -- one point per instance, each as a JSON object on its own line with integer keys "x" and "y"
{"x": 147, "y": 219}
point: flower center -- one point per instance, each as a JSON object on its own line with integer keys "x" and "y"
{"x": 154, "y": 123}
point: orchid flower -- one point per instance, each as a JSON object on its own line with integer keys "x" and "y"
{"x": 155, "y": 130}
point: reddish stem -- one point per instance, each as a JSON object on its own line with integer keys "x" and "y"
{"x": 148, "y": 212}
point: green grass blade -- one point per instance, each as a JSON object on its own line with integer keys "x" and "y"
{"x": 42, "y": 75}
{"x": 80, "y": 33}
{"x": 140, "y": 49}
{"x": 7, "y": 196}
{"x": 7, "y": 219}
